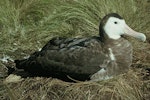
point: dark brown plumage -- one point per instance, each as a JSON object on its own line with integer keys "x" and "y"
{"x": 95, "y": 58}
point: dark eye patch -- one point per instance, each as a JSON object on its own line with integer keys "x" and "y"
{"x": 115, "y": 22}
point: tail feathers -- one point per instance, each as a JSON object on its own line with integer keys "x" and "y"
{"x": 19, "y": 63}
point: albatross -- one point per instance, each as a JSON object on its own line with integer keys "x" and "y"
{"x": 92, "y": 58}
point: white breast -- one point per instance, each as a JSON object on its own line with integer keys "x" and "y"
{"x": 112, "y": 56}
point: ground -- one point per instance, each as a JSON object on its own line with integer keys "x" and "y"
{"x": 25, "y": 26}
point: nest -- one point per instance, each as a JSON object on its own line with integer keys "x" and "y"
{"x": 128, "y": 86}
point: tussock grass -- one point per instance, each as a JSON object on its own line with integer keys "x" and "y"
{"x": 25, "y": 23}
{"x": 19, "y": 23}
{"x": 25, "y": 26}
{"x": 84, "y": 15}
{"x": 124, "y": 87}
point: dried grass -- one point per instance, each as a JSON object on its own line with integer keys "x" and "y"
{"x": 25, "y": 25}
{"x": 127, "y": 86}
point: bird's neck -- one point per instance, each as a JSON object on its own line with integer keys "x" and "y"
{"x": 120, "y": 48}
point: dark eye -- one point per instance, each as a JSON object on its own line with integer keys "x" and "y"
{"x": 115, "y": 22}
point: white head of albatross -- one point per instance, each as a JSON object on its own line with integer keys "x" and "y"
{"x": 115, "y": 26}
{"x": 79, "y": 58}
{"x": 119, "y": 50}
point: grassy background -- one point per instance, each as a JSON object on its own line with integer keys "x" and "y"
{"x": 26, "y": 25}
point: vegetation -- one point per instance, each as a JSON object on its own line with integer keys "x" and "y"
{"x": 26, "y": 25}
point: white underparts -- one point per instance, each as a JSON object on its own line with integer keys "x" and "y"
{"x": 118, "y": 45}
{"x": 102, "y": 71}
{"x": 112, "y": 56}
{"x": 100, "y": 75}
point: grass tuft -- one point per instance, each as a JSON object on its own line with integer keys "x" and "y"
{"x": 123, "y": 87}
{"x": 26, "y": 25}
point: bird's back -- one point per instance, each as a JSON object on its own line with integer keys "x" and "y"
{"x": 75, "y": 57}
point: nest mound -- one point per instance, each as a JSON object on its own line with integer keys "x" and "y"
{"x": 123, "y": 87}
